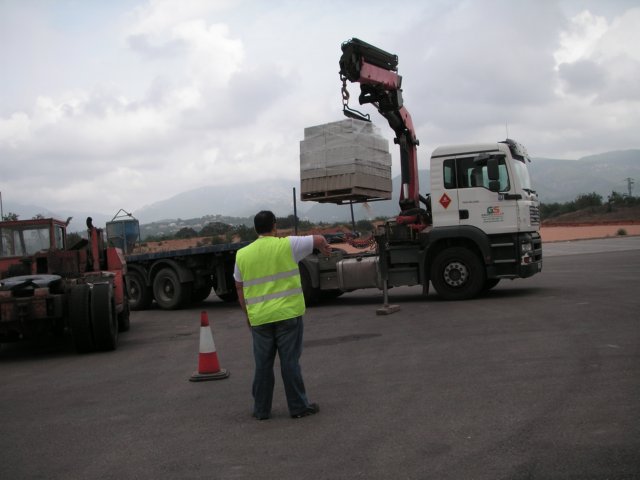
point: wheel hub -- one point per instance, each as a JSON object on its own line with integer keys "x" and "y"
{"x": 456, "y": 274}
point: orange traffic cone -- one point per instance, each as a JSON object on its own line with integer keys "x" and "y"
{"x": 208, "y": 364}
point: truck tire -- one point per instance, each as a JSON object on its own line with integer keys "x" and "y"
{"x": 311, "y": 293}
{"x": 104, "y": 317}
{"x": 80, "y": 318}
{"x": 457, "y": 274}
{"x": 169, "y": 293}
{"x": 140, "y": 296}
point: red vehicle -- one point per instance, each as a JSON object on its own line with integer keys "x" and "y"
{"x": 47, "y": 288}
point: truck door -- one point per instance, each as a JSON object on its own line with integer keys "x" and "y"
{"x": 444, "y": 194}
{"x": 479, "y": 206}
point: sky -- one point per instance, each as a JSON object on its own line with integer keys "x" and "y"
{"x": 120, "y": 104}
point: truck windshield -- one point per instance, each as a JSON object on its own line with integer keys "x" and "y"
{"x": 522, "y": 173}
{"x": 19, "y": 242}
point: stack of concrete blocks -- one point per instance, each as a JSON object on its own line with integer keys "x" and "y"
{"x": 343, "y": 162}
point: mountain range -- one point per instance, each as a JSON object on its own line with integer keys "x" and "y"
{"x": 555, "y": 181}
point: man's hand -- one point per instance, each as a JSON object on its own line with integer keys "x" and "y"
{"x": 320, "y": 243}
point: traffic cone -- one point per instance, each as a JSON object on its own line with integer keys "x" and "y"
{"x": 208, "y": 364}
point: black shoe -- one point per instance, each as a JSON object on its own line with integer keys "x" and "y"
{"x": 312, "y": 409}
{"x": 264, "y": 416}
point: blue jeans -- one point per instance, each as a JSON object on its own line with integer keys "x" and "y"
{"x": 285, "y": 338}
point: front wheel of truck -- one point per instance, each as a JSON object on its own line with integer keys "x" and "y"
{"x": 457, "y": 274}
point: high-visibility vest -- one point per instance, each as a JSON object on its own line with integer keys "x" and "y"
{"x": 271, "y": 281}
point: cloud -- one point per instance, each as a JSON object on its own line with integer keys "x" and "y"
{"x": 600, "y": 58}
{"x": 121, "y": 104}
{"x": 582, "y": 77}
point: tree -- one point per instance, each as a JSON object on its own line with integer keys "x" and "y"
{"x": 615, "y": 198}
{"x": 588, "y": 200}
{"x": 245, "y": 233}
{"x": 214, "y": 229}
{"x": 364, "y": 226}
{"x": 186, "y": 232}
{"x": 286, "y": 222}
{"x": 10, "y": 217}
{"x": 72, "y": 239}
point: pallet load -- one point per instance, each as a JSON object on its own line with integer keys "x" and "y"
{"x": 344, "y": 162}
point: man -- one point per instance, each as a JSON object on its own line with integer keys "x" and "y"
{"x": 270, "y": 293}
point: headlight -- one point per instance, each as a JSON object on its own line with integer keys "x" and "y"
{"x": 526, "y": 247}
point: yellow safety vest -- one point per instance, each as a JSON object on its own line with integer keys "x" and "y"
{"x": 271, "y": 281}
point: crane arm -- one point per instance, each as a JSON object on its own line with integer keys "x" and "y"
{"x": 376, "y": 72}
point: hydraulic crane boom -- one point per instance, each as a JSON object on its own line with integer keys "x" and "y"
{"x": 380, "y": 85}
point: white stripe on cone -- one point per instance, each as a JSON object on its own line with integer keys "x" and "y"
{"x": 206, "y": 340}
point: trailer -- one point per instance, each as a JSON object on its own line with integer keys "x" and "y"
{"x": 173, "y": 278}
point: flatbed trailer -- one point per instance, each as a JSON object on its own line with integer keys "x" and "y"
{"x": 179, "y": 277}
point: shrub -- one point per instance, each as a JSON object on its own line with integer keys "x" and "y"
{"x": 621, "y": 231}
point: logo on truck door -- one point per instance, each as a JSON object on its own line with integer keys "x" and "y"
{"x": 494, "y": 214}
{"x": 445, "y": 201}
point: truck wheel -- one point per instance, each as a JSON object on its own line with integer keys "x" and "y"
{"x": 169, "y": 293}
{"x": 457, "y": 274}
{"x": 104, "y": 317}
{"x": 80, "y": 318}
{"x": 311, "y": 293}
{"x": 124, "y": 322}
{"x": 140, "y": 296}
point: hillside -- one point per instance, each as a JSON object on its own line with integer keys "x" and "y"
{"x": 554, "y": 180}
{"x": 597, "y": 216}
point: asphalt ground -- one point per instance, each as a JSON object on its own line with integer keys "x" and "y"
{"x": 539, "y": 379}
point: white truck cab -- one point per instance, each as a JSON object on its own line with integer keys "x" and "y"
{"x": 464, "y": 193}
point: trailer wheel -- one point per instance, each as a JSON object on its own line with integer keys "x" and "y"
{"x": 169, "y": 293}
{"x": 457, "y": 274}
{"x": 104, "y": 317}
{"x": 311, "y": 293}
{"x": 80, "y": 318}
{"x": 140, "y": 296}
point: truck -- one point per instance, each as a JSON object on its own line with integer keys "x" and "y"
{"x": 49, "y": 288}
{"x": 479, "y": 224}
{"x": 173, "y": 278}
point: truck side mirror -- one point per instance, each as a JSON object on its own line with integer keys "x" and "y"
{"x": 492, "y": 170}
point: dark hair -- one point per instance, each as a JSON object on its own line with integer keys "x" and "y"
{"x": 264, "y": 221}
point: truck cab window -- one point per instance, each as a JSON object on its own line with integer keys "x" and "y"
{"x": 465, "y": 173}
